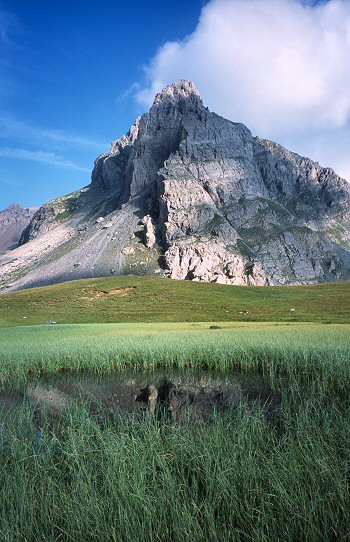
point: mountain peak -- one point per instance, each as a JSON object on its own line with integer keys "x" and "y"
{"x": 179, "y": 91}
{"x": 218, "y": 205}
{"x": 12, "y": 207}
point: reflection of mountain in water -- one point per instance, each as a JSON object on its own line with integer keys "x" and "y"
{"x": 175, "y": 395}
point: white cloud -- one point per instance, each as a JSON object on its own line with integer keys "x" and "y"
{"x": 50, "y": 158}
{"x": 282, "y": 67}
{"x": 129, "y": 91}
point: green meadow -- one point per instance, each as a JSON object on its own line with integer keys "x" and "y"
{"x": 248, "y": 475}
{"x": 151, "y": 299}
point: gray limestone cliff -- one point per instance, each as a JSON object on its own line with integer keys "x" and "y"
{"x": 230, "y": 207}
{"x": 13, "y": 220}
{"x": 40, "y": 223}
{"x": 216, "y": 203}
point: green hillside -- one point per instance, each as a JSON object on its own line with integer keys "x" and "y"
{"x": 152, "y": 299}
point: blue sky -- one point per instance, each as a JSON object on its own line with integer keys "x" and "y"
{"x": 66, "y": 76}
{"x": 74, "y": 76}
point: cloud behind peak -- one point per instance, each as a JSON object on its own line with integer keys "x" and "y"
{"x": 278, "y": 66}
{"x": 273, "y": 64}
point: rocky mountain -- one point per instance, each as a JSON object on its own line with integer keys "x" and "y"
{"x": 191, "y": 195}
{"x": 13, "y": 220}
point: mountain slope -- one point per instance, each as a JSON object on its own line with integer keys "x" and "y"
{"x": 190, "y": 195}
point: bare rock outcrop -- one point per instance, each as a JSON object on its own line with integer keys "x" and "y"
{"x": 149, "y": 235}
{"x": 211, "y": 261}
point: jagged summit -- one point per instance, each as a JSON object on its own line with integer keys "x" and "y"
{"x": 12, "y": 207}
{"x": 178, "y": 92}
{"x": 191, "y": 195}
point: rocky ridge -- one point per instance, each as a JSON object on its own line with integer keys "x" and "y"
{"x": 191, "y": 195}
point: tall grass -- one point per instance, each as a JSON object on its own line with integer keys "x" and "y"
{"x": 301, "y": 349}
{"x": 247, "y": 476}
{"x": 241, "y": 478}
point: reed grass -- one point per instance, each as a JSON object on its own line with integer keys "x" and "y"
{"x": 240, "y": 478}
{"x": 259, "y": 347}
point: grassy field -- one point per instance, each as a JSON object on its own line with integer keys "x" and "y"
{"x": 152, "y": 299}
{"x": 273, "y": 347}
{"x": 247, "y": 476}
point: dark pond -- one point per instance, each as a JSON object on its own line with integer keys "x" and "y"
{"x": 170, "y": 395}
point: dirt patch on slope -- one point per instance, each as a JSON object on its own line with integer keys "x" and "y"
{"x": 121, "y": 291}
{"x": 91, "y": 295}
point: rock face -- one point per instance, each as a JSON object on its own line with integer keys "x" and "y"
{"x": 226, "y": 206}
{"x": 40, "y": 223}
{"x": 13, "y": 220}
{"x": 231, "y": 207}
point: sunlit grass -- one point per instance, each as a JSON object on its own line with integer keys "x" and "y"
{"x": 152, "y": 299}
{"x": 263, "y": 347}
